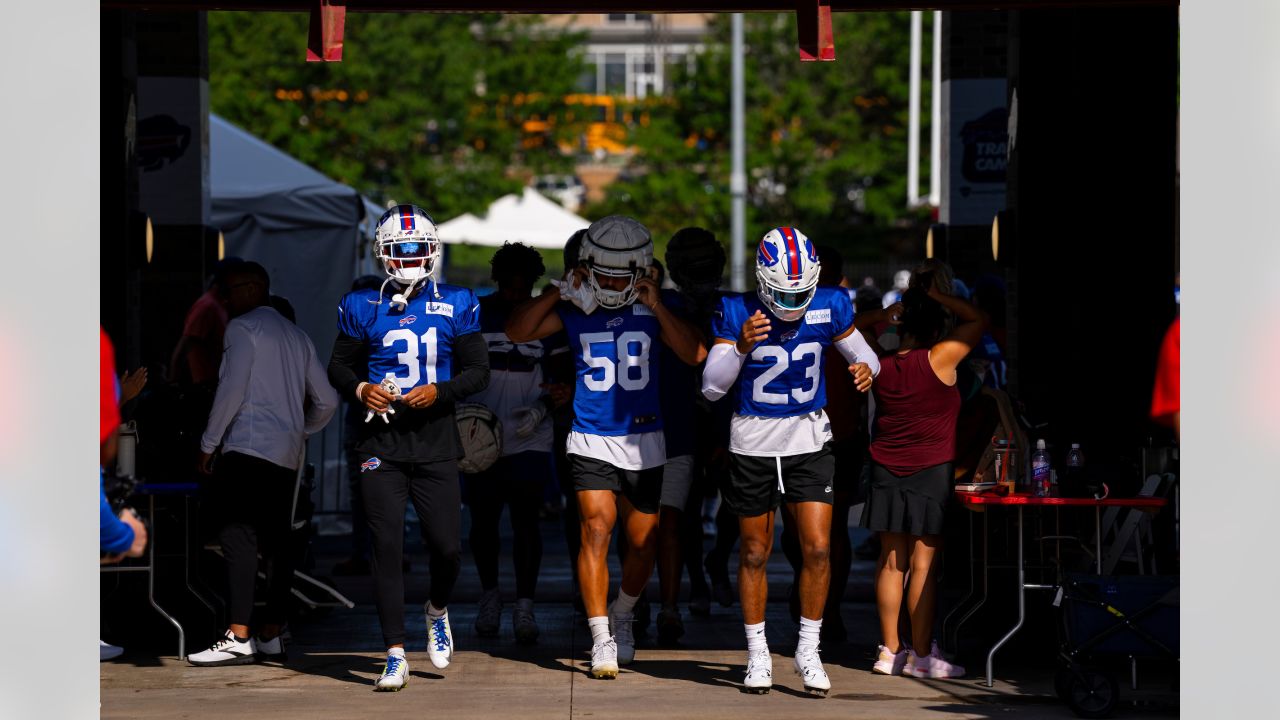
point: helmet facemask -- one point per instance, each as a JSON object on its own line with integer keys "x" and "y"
{"x": 788, "y": 304}
{"x": 608, "y": 298}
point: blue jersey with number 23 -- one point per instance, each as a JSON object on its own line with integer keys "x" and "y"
{"x": 782, "y": 377}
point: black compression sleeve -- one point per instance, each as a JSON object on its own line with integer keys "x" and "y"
{"x": 471, "y": 353}
{"x": 347, "y": 365}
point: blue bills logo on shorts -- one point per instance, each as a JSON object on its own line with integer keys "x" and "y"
{"x": 370, "y": 464}
{"x": 408, "y": 320}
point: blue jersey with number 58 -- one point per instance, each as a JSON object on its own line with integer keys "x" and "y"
{"x": 616, "y": 364}
{"x": 413, "y": 346}
{"x": 782, "y": 377}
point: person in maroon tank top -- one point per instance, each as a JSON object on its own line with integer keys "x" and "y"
{"x": 912, "y": 451}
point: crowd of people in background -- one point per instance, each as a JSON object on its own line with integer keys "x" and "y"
{"x": 638, "y": 396}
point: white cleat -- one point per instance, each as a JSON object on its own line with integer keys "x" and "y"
{"x": 809, "y": 667}
{"x": 759, "y": 672}
{"x": 395, "y": 674}
{"x": 604, "y": 660}
{"x": 620, "y": 626}
{"x": 439, "y": 640}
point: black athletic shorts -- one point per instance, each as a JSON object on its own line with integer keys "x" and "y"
{"x": 642, "y": 487}
{"x": 753, "y": 481}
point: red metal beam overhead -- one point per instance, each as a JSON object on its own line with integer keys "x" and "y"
{"x": 324, "y": 40}
{"x": 816, "y": 36}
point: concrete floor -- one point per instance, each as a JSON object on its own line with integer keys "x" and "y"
{"x": 334, "y": 659}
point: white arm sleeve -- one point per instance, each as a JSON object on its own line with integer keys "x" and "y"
{"x": 855, "y": 349}
{"x": 721, "y": 370}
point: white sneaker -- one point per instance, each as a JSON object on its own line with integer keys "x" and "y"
{"x": 759, "y": 672}
{"x": 932, "y": 665}
{"x": 890, "y": 663}
{"x": 226, "y": 651}
{"x": 809, "y": 666}
{"x": 523, "y": 622}
{"x": 620, "y": 627}
{"x": 604, "y": 660}
{"x": 273, "y": 649}
{"x": 108, "y": 652}
{"x": 395, "y": 674}
{"x": 489, "y": 618}
{"x": 439, "y": 640}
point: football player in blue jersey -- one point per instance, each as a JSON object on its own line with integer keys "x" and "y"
{"x": 768, "y": 350}
{"x": 407, "y": 357}
{"x": 614, "y": 316}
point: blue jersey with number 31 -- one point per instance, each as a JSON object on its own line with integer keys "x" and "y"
{"x": 782, "y": 377}
{"x": 413, "y": 346}
{"x": 616, "y": 364}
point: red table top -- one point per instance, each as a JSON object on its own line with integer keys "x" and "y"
{"x": 987, "y": 497}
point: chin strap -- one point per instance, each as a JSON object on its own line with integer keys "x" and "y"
{"x": 400, "y": 300}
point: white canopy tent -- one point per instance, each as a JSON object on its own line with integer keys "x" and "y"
{"x": 529, "y": 218}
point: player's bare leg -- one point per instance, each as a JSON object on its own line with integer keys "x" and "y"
{"x": 753, "y": 592}
{"x": 813, "y": 526}
{"x": 598, "y": 511}
{"x": 641, "y": 531}
{"x": 756, "y": 544}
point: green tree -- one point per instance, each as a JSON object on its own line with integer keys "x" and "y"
{"x": 826, "y": 142}
{"x": 424, "y": 108}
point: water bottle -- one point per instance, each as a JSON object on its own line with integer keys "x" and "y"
{"x": 1041, "y": 471}
{"x": 1075, "y": 459}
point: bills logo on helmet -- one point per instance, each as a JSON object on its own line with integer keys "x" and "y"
{"x": 370, "y": 464}
{"x": 767, "y": 255}
{"x": 408, "y": 320}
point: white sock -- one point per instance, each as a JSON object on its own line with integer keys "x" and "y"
{"x": 810, "y": 634}
{"x": 599, "y": 629}
{"x": 625, "y": 604}
{"x": 399, "y": 652}
{"x": 433, "y": 611}
{"x": 755, "y": 638}
{"x": 525, "y": 604}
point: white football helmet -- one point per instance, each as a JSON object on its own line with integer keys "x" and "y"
{"x": 407, "y": 243}
{"x": 786, "y": 272}
{"x": 616, "y": 246}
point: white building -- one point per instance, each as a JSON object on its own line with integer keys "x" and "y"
{"x": 632, "y": 54}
